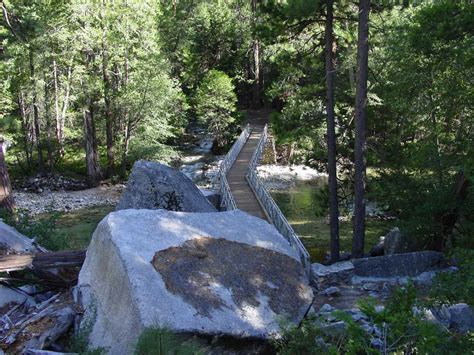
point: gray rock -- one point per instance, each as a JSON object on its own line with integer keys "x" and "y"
{"x": 12, "y": 240}
{"x": 223, "y": 273}
{"x": 341, "y": 271}
{"x": 323, "y": 270}
{"x": 396, "y": 243}
{"x": 378, "y": 249}
{"x": 326, "y": 308}
{"x": 370, "y": 329}
{"x": 213, "y": 196}
{"x": 153, "y": 186}
{"x": 331, "y": 292}
{"x": 399, "y": 265}
{"x": 376, "y": 343}
{"x": 311, "y": 312}
{"x": 370, "y": 286}
{"x": 356, "y": 315}
{"x": 334, "y": 329}
{"x": 321, "y": 344}
{"x": 461, "y": 317}
{"x": 379, "y": 308}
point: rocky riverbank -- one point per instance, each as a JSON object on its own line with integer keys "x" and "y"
{"x": 281, "y": 177}
{"x": 65, "y": 201}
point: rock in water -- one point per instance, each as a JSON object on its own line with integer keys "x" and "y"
{"x": 225, "y": 273}
{"x": 153, "y": 186}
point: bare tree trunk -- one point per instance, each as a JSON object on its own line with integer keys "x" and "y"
{"x": 60, "y": 114}
{"x": 6, "y": 196}
{"x": 127, "y": 118}
{"x": 56, "y": 108}
{"x": 90, "y": 140}
{"x": 350, "y": 67}
{"x": 36, "y": 116}
{"x": 47, "y": 114}
{"x": 126, "y": 146}
{"x": 108, "y": 110}
{"x": 358, "y": 238}
{"x": 331, "y": 133}
{"x": 25, "y": 127}
{"x": 289, "y": 152}
{"x": 256, "y": 92}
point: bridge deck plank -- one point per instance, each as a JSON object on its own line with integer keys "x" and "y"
{"x": 243, "y": 194}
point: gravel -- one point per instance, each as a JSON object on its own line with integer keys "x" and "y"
{"x": 65, "y": 201}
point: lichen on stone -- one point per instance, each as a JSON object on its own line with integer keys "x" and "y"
{"x": 214, "y": 273}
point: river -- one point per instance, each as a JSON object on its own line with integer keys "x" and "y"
{"x": 306, "y": 210}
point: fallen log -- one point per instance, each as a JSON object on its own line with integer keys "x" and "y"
{"x": 42, "y": 261}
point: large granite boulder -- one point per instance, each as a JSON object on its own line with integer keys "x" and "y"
{"x": 408, "y": 264}
{"x": 223, "y": 273}
{"x": 153, "y": 186}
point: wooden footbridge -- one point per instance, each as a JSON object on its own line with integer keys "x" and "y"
{"x": 244, "y": 197}
{"x": 241, "y": 188}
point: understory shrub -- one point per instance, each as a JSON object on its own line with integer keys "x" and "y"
{"x": 456, "y": 287}
{"x": 215, "y": 104}
{"x": 402, "y": 330}
{"x": 162, "y": 341}
{"x": 42, "y": 229}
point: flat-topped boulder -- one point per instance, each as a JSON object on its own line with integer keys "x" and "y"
{"x": 222, "y": 273}
{"x": 408, "y": 264}
{"x": 153, "y": 185}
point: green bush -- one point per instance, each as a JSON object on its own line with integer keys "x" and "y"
{"x": 456, "y": 287}
{"x": 42, "y": 229}
{"x": 300, "y": 339}
{"x": 403, "y": 329}
{"x": 162, "y": 341}
{"x": 215, "y": 104}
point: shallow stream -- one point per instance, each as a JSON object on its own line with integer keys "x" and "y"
{"x": 305, "y": 207}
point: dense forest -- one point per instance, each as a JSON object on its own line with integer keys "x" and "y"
{"x": 380, "y": 95}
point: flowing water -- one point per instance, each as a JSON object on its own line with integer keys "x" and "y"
{"x": 305, "y": 207}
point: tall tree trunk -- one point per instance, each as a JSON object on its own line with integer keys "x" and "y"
{"x": 126, "y": 146}
{"x": 126, "y": 114}
{"x": 358, "y": 238}
{"x": 60, "y": 115}
{"x": 65, "y": 105}
{"x": 25, "y": 127}
{"x": 36, "y": 119}
{"x": 56, "y": 108}
{"x": 49, "y": 129}
{"x": 90, "y": 140}
{"x": 256, "y": 92}
{"x": 6, "y": 196}
{"x": 107, "y": 88}
{"x": 331, "y": 133}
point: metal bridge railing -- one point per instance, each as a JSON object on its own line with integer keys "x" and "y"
{"x": 272, "y": 210}
{"x": 227, "y": 199}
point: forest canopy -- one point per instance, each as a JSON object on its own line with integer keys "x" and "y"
{"x": 88, "y": 87}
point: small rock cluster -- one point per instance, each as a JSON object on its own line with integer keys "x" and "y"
{"x": 40, "y": 183}
{"x": 333, "y": 327}
{"x": 339, "y": 286}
